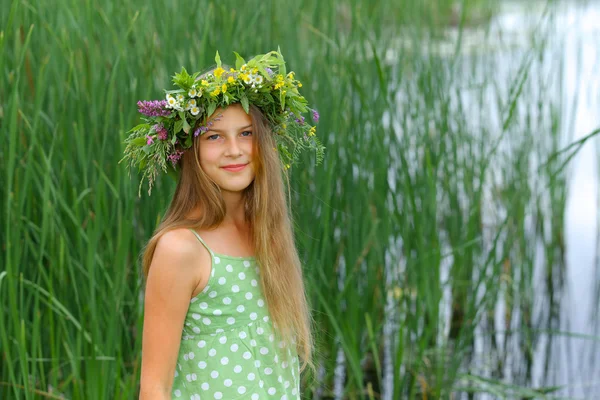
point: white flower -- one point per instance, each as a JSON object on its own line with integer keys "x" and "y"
{"x": 191, "y": 103}
{"x": 177, "y": 106}
{"x": 171, "y": 101}
{"x": 194, "y": 110}
{"x": 192, "y": 92}
{"x": 258, "y": 79}
{"x": 180, "y": 98}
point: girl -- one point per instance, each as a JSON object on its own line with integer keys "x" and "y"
{"x": 225, "y": 315}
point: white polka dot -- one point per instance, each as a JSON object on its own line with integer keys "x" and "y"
{"x": 218, "y": 395}
{"x": 257, "y": 363}
{"x": 196, "y": 329}
{"x": 202, "y": 364}
{"x": 203, "y": 305}
{"x": 201, "y": 343}
{"x": 266, "y": 318}
{"x": 253, "y": 343}
{"x": 231, "y": 320}
{"x": 242, "y": 335}
{"x": 242, "y": 275}
{"x": 246, "y": 264}
{"x": 284, "y": 397}
{"x": 214, "y": 374}
{"x": 260, "y": 302}
{"x": 212, "y": 294}
{"x": 224, "y": 361}
{"x": 205, "y": 386}
{"x": 240, "y": 308}
{"x": 255, "y": 396}
{"x": 185, "y": 357}
{"x": 247, "y": 355}
{"x": 219, "y": 330}
{"x": 271, "y": 337}
{"x": 196, "y": 316}
{"x": 241, "y": 390}
{"x": 229, "y": 268}
{"x": 261, "y": 383}
{"x": 223, "y": 339}
{"x": 279, "y": 379}
{"x": 272, "y": 391}
{"x": 212, "y": 352}
{"x": 235, "y": 288}
{"x": 217, "y": 312}
{"x": 191, "y": 355}
{"x": 206, "y": 321}
{"x": 227, "y": 382}
{"x": 294, "y": 391}
{"x": 248, "y": 296}
{"x": 178, "y": 393}
{"x": 234, "y": 347}
{"x": 251, "y": 376}
{"x": 195, "y": 396}
{"x": 260, "y": 330}
{"x": 253, "y": 282}
{"x": 222, "y": 280}
{"x": 226, "y": 300}
{"x": 264, "y": 350}
{"x": 237, "y": 369}
{"x": 268, "y": 371}
{"x": 286, "y": 384}
{"x": 217, "y": 260}
{"x": 253, "y": 316}
{"x": 276, "y": 359}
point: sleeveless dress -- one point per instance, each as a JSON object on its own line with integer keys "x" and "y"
{"x": 229, "y": 349}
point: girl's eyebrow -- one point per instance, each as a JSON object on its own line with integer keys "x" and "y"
{"x": 221, "y": 130}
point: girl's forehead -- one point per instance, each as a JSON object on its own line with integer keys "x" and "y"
{"x": 233, "y": 116}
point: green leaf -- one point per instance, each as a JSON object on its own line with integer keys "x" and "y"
{"x": 239, "y": 61}
{"x": 146, "y": 149}
{"x": 139, "y": 141}
{"x": 178, "y": 126}
{"x": 211, "y": 109}
{"x": 186, "y": 125}
{"x": 218, "y": 60}
{"x": 173, "y": 139}
{"x": 244, "y": 101}
{"x": 188, "y": 141}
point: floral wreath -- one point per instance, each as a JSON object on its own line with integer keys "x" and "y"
{"x": 171, "y": 124}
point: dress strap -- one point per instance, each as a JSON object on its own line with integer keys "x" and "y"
{"x": 202, "y": 241}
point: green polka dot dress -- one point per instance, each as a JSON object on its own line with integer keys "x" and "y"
{"x": 229, "y": 349}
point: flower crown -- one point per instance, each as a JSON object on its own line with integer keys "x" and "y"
{"x": 171, "y": 124}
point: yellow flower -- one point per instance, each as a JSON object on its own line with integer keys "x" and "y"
{"x": 204, "y": 82}
{"x": 243, "y": 68}
{"x": 218, "y": 72}
{"x": 230, "y": 79}
{"x": 231, "y": 70}
{"x": 299, "y": 84}
{"x": 283, "y": 92}
{"x": 287, "y": 166}
{"x": 224, "y": 88}
{"x": 291, "y": 75}
{"x": 255, "y": 71}
{"x": 215, "y": 92}
{"x": 312, "y": 131}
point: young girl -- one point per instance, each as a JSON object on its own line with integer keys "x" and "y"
{"x": 226, "y": 315}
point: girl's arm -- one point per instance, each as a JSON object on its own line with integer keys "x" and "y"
{"x": 171, "y": 281}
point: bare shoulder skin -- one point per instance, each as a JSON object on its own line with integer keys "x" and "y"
{"x": 179, "y": 270}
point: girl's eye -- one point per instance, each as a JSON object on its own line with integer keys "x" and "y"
{"x": 248, "y": 132}
{"x": 212, "y": 137}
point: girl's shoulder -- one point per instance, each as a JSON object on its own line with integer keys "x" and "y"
{"x": 179, "y": 250}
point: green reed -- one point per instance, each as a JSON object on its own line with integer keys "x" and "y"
{"x": 419, "y": 213}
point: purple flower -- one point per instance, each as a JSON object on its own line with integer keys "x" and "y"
{"x": 300, "y": 120}
{"x": 200, "y": 130}
{"x": 150, "y": 141}
{"x": 161, "y": 131}
{"x": 315, "y": 115}
{"x": 154, "y": 108}
{"x": 174, "y": 158}
{"x": 269, "y": 71}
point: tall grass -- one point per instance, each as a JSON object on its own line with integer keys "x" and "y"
{"x": 418, "y": 229}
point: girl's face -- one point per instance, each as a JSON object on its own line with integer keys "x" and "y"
{"x": 226, "y": 149}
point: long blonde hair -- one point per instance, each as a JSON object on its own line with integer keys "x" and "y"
{"x": 270, "y": 225}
